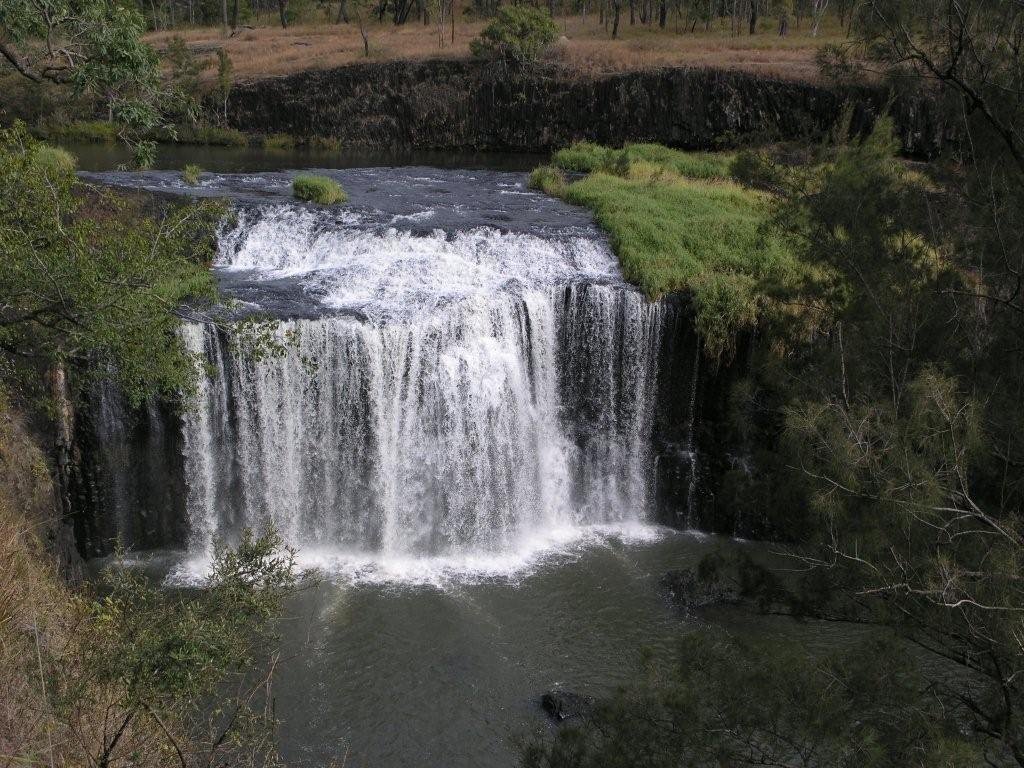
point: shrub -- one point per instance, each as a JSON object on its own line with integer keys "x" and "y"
{"x": 755, "y": 169}
{"x": 518, "y": 32}
{"x": 191, "y": 174}
{"x": 318, "y": 189}
{"x": 54, "y": 160}
{"x": 549, "y": 180}
{"x": 278, "y": 141}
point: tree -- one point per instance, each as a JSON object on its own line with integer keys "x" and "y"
{"x": 95, "y": 47}
{"x": 100, "y": 291}
{"x": 520, "y": 33}
{"x": 155, "y": 662}
{"x": 225, "y": 80}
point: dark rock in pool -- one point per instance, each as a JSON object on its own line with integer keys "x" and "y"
{"x": 566, "y": 705}
{"x": 690, "y": 592}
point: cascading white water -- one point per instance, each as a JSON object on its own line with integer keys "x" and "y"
{"x": 477, "y": 390}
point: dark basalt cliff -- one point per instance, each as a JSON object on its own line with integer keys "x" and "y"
{"x": 479, "y": 105}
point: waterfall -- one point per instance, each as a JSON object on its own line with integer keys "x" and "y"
{"x": 464, "y": 431}
{"x": 444, "y": 387}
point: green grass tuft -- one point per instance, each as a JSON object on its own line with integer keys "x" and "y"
{"x": 54, "y": 160}
{"x": 191, "y": 174}
{"x": 325, "y": 144}
{"x": 548, "y": 179}
{"x": 279, "y": 141}
{"x": 318, "y": 189}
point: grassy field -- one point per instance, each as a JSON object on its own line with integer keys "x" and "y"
{"x": 266, "y": 49}
{"x": 678, "y": 222}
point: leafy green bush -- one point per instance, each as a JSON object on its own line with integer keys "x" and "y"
{"x": 191, "y": 174}
{"x": 517, "y": 32}
{"x": 318, "y": 189}
{"x": 549, "y": 180}
{"x": 279, "y": 141}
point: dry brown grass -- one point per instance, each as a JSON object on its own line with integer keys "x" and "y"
{"x": 51, "y": 715}
{"x": 271, "y": 51}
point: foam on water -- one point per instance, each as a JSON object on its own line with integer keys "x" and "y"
{"x": 546, "y": 548}
{"x": 385, "y": 272}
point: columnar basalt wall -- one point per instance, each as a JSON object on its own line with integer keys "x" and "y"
{"x": 477, "y": 105}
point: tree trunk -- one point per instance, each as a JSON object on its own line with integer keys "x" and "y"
{"x": 617, "y": 5}
{"x": 342, "y": 13}
{"x": 663, "y": 13}
{"x": 282, "y": 9}
{"x": 753, "y": 17}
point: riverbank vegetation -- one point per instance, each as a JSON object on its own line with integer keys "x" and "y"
{"x": 176, "y": 62}
{"x": 679, "y": 223}
{"x": 883, "y": 428}
{"x": 129, "y": 674}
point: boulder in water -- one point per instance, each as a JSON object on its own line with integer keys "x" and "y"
{"x": 566, "y": 705}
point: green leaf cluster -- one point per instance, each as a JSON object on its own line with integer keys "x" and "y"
{"x": 93, "y": 280}
{"x": 518, "y": 32}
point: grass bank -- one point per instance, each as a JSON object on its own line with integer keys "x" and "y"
{"x": 678, "y": 222}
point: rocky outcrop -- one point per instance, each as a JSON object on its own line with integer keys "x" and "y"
{"x": 478, "y": 105}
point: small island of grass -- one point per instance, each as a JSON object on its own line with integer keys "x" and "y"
{"x": 318, "y": 189}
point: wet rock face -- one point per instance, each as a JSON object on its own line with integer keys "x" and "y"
{"x": 477, "y": 105}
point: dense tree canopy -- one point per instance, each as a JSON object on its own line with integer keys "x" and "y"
{"x": 100, "y": 291}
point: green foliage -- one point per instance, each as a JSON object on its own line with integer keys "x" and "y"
{"x": 318, "y": 189}
{"x": 673, "y": 233}
{"x": 225, "y": 80}
{"x": 279, "y": 141}
{"x": 185, "y": 69}
{"x": 166, "y": 654}
{"x": 54, "y": 161}
{"x": 548, "y": 179}
{"x": 190, "y": 175}
{"x": 518, "y": 32}
{"x": 743, "y": 703}
{"x": 586, "y": 157}
{"x": 582, "y": 157}
{"x": 82, "y": 131}
{"x": 90, "y": 280}
{"x": 202, "y": 135}
{"x": 325, "y": 144}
